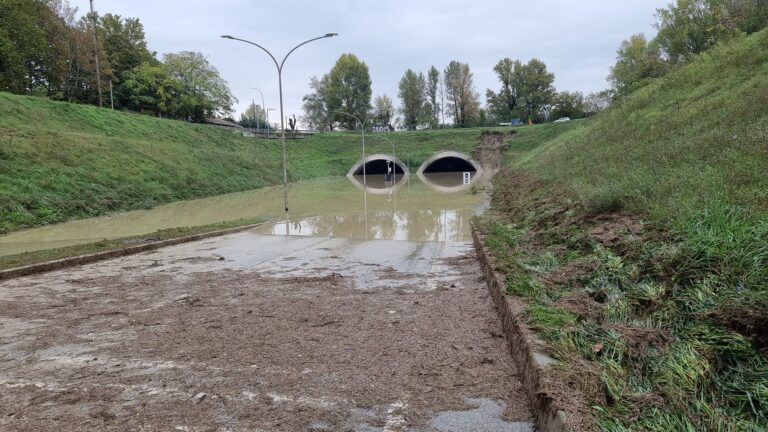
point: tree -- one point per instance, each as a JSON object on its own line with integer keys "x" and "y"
{"x": 383, "y": 110}
{"x": 750, "y": 15}
{"x": 32, "y": 47}
{"x": 124, "y": 43}
{"x": 502, "y": 104}
{"x": 412, "y": 93}
{"x": 204, "y": 92}
{"x": 568, "y": 104}
{"x": 599, "y": 101}
{"x": 638, "y": 62}
{"x": 535, "y": 88}
{"x": 151, "y": 86}
{"x": 317, "y": 112}
{"x": 349, "y": 90}
{"x": 690, "y": 27}
{"x": 254, "y": 117}
{"x": 463, "y": 100}
{"x": 433, "y": 84}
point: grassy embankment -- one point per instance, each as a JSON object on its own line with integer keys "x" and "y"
{"x": 61, "y": 161}
{"x": 639, "y": 239}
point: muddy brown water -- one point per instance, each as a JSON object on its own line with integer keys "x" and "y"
{"x": 362, "y": 321}
{"x": 412, "y": 210}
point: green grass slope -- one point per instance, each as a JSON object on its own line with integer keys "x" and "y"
{"x": 689, "y": 151}
{"x": 61, "y": 161}
{"x": 639, "y": 239}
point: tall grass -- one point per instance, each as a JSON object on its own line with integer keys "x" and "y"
{"x": 682, "y": 309}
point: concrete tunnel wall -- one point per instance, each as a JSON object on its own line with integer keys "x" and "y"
{"x": 402, "y": 168}
{"x": 450, "y": 155}
{"x": 424, "y": 169}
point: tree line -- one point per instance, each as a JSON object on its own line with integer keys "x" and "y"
{"x": 102, "y": 60}
{"x": 686, "y": 28}
{"x": 431, "y": 99}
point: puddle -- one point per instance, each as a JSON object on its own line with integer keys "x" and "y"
{"x": 329, "y": 207}
{"x": 485, "y": 418}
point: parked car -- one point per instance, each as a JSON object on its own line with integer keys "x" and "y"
{"x": 562, "y": 120}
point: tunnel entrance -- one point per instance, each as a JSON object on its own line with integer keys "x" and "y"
{"x": 379, "y": 167}
{"x": 449, "y": 172}
{"x": 449, "y": 164}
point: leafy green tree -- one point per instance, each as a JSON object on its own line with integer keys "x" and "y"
{"x": 502, "y": 105}
{"x": 349, "y": 90}
{"x": 151, "y": 86}
{"x": 536, "y": 89}
{"x": 204, "y": 92}
{"x": 750, "y": 15}
{"x": 690, "y": 27}
{"x": 32, "y": 47}
{"x": 638, "y": 62}
{"x": 463, "y": 100}
{"x": 433, "y": 84}
{"x": 317, "y": 112}
{"x": 254, "y": 117}
{"x": 124, "y": 43}
{"x": 414, "y": 106}
{"x": 383, "y": 110}
{"x": 568, "y": 104}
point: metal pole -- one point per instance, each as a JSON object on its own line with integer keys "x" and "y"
{"x": 96, "y": 52}
{"x": 365, "y": 182}
{"x": 282, "y": 133}
{"x": 263, "y": 107}
{"x": 280, "y": 83}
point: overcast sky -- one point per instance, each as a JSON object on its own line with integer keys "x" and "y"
{"x": 577, "y": 40}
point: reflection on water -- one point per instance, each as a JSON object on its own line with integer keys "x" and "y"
{"x": 323, "y": 207}
{"x": 413, "y": 225}
{"x": 448, "y": 182}
{"x": 380, "y": 182}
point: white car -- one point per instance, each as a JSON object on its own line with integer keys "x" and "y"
{"x": 562, "y": 120}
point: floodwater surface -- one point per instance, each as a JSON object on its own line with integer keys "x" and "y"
{"x": 331, "y": 207}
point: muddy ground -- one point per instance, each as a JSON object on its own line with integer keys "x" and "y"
{"x": 260, "y": 333}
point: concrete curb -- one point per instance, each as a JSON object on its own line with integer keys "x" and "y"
{"x": 534, "y": 365}
{"x": 100, "y": 256}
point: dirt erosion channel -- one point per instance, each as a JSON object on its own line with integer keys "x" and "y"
{"x": 323, "y": 331}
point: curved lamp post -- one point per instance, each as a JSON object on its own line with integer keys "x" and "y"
{"x": 280, "y": 83}
{"x": 365, "y": 183}
{"x": 263, "y": 107}
{"x": 362, "y": 126}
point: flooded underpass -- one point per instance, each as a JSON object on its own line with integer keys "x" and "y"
{"x": 369, "y": 315}
{"x": 409, "y": 210}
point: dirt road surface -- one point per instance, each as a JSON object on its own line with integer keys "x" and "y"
{"x": 260, "y": 333}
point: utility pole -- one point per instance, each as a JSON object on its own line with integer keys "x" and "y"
{"x": 96, "y": 52}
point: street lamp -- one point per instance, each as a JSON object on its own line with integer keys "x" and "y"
{"x": 362, "y": 126}
{"x": 365, "y": 183}
{"x": 280, "y": 83}
{"x": 264, "y": 107}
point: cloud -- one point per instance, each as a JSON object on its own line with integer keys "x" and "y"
{"x": 577, "y": 40}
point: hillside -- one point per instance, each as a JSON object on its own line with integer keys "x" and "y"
{"x": 639, "y": 240}
{"x": 62, "y": 161}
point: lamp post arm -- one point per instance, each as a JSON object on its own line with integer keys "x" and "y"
{"x": 279, "y": 67}
{"x": 299, "y": 46}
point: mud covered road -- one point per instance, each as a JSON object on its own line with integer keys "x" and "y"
{"x": 260, "y": 333}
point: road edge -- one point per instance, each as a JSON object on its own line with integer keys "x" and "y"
{"x": 74, "y": 261}
{"x": 533, "y": 365}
